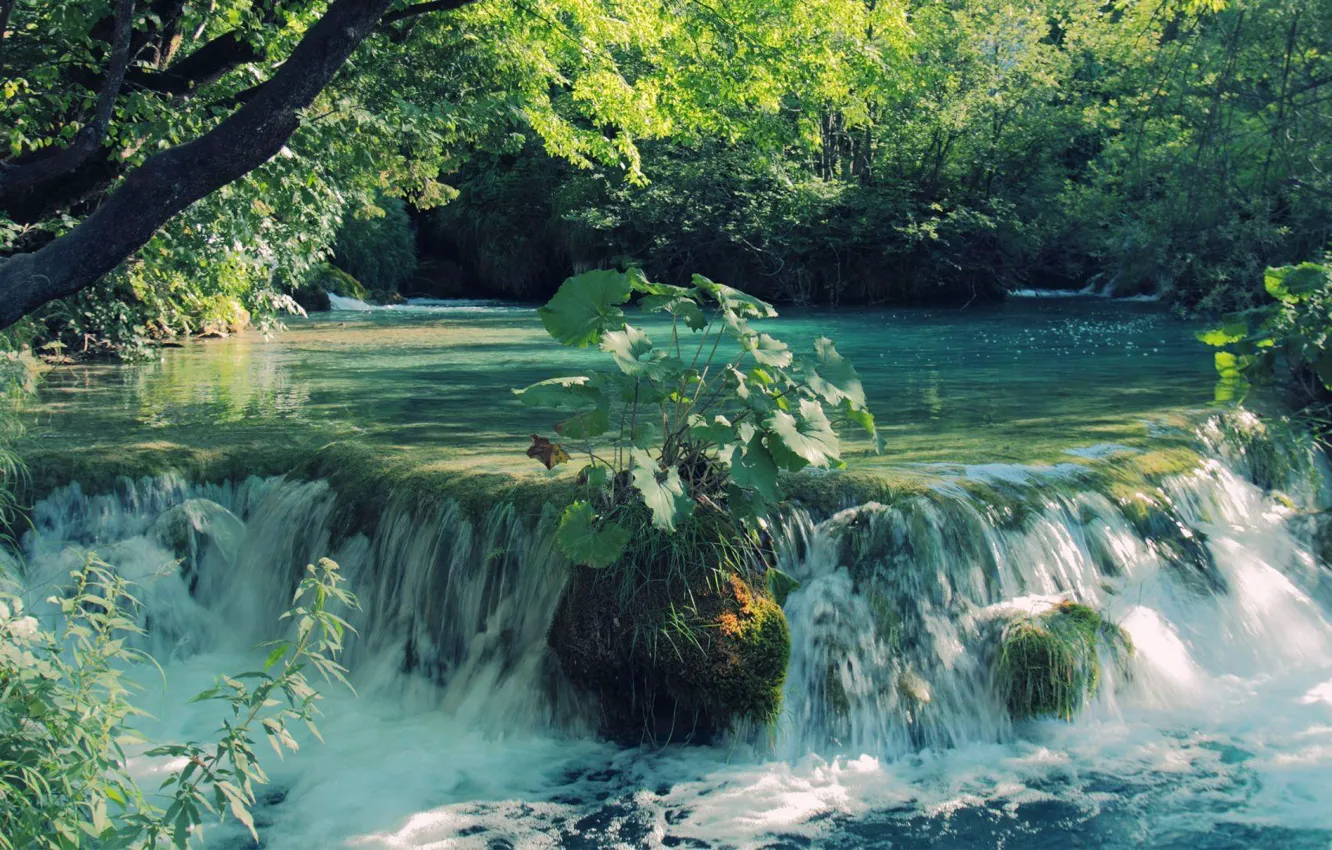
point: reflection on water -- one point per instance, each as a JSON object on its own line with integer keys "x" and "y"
{"x": 1021, "y": 382}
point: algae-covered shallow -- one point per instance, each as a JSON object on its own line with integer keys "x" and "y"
{"x": 1024, "y": 382}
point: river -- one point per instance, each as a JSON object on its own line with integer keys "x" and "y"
{"x": 1217, "y": 734}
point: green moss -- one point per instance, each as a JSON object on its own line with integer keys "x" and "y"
{"x": 680, "y": 637}
{"x": 1049, "y": 664}
{"x": 332, "y": 279}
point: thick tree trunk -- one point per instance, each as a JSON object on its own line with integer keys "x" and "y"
{"x": 172, "y": 180}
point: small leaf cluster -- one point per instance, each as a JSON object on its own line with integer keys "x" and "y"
{"x": 66, "y": 710}
{"x": 1296, "y": 327}
{"x": 706, "y": 420}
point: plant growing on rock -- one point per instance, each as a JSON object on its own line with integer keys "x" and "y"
{"x": 704, "y": 422}
{"x": 1049, "y": 664}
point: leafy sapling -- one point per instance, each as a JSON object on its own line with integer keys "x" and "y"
{"x": 704, "y": 422}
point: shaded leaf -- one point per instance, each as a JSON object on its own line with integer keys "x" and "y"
{"x": 585, "y": 541}
{"x": 586, "y": 306}
{"x": 576, "y": 393}
{"x": 753, "y": 467}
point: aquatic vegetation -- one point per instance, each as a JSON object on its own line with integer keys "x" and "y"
{"x": 1049, "y": 664}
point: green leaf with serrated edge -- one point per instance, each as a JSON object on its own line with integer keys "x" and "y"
{"x": 645, "y": 435}
{"x": 743, "y": 305}
{"x": 585, "y": 426}
{"x": 717, "y": 430}
{"x": 594, "y": 476}
{"x": 1294, "y": 283}
{"x": 585, "y": 541}
{"x": 768, "y": 351}
{"x": 662, "y": 490}
{"x": 632, "y": 351}
{"x": 753, "y": 467}
{"x": 639, "y": 283}
{"x": 681, "y": 307}
{"x": 577, "y": 393}
{"x": 808, "y": 435}
{"x": 831, "y": 376}
{"x": 585, "y": 307}
{"x": 745, "y": 504}
{"x": 860, "y": 416}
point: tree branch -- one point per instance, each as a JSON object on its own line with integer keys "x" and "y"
{"x": 206, "y": 65}
{"x": 30, "y": 175}
{"x": 422, "y": 9}
{"x": 172, "y": 180}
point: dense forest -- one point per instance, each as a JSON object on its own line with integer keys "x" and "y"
{"x": 841, "y": 151}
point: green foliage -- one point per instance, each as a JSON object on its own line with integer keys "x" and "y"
{"x": 376, "y": 246}
{"x": 1049, "y": 664}
{"x": 66, "y": 714}
{"x": 706, "y": 421}
{"x": 1294, "y": 329}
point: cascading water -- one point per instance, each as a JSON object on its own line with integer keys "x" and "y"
{"x": 1217, "y": 732}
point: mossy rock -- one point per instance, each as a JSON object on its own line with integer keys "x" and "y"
{"x": 194, "y": 529}
{"x": 1049, "y": 664}
{"x": 1175, "y": 542}
{"x": 668, "y": 669}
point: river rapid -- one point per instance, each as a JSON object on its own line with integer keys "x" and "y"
{"x": 1216, "y": 734}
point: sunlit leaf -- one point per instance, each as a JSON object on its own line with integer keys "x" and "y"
{"x": 662, "y": 490}
{"x": 585, "y": 307}
{"x": 831, "y": 376}
{"x": 734, "y": 301}
{"x": 1294, "y": 283}
{"x": 804, "y": 439}
{"x": 768, "y": 351}
{"x": 578, "y": 393}
{"x": 633, "y": 353}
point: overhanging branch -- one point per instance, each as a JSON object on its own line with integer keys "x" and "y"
{"x": 30, "y": 175}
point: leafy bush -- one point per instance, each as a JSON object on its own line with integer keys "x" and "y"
{"x": 706, "y": 422}
{"x": 66, "y": 714}
{"x": 376, "y": 246}
{"x": 1294, "y": 330}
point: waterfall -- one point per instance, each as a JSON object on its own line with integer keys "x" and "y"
{"x": 1214, "y": 578}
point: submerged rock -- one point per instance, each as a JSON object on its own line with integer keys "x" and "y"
{"x": 194, "y": 529}
{"x": 668, "y": 668}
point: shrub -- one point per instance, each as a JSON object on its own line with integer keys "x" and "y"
{"x": 66, "y": 712}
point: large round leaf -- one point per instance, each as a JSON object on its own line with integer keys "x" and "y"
{"x": 576, "y": 393}
{"x": 735, "y": 301}
{"x": 804, "y": 439}
{"x": 662, "y": 490}
{"x": 586, "y": 542}
{"x": 586, "y": 306}
{"x": 831, "y": 376}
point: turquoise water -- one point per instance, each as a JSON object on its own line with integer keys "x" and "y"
{"x": 1022, "y": 382}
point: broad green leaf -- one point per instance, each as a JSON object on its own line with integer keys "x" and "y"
{"x": 1228, "y": 366}
{"x": 831, "y": 376}
{"x": 585, "y": 307}
{"x": 1293, "y": 283}
{"x": 577, "y": 393}
{"x": 585, "y": 425}
{"x": 768, "y": 351}
{"x": 752, "y": 467}
{"x": 585, "y": 542}
{"x": 594, "y": 475}
{"x": 638, "y": 282}
{"x": 645, "y": 435}
{"x": 662, "y": 490}
{"x": 860, "y": 416}
{"x": 1228, "y": 333}
{"x": 734, "y": 301}
{"x": 682, "y": 307}
{"x": 717, "y": 430}
{"x": 804, "y": 439}
{"x": 633, "y": 353}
